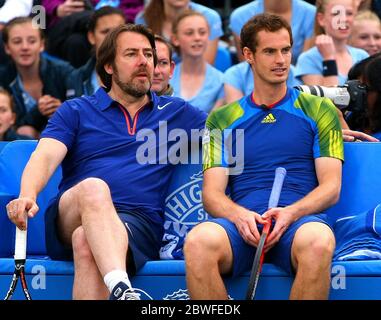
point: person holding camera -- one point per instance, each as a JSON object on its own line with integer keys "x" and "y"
{"x": 373, "y": 81}
{"x": 368, "y": 72}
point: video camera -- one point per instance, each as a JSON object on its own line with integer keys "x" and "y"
{"x": 351, "y": 98}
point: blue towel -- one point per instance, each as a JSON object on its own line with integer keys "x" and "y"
{"x": 358, "y": 237}
{"x": 173, "y": 240}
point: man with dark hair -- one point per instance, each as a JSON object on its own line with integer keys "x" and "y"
{"x": 108, "y": 54}
{"x": 282, "y": 128}
{"x": 85, "y": 79}
{"x": 109, "y": 209}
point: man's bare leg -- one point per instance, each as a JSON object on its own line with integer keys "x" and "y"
{"x": 88, "y": 282}
{"x": 312, "y": 251}
{"x": 207, "y": 255}
{"x": 89, "y": 205}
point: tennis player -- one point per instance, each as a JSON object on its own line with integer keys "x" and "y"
{"x": 282, "y": 127}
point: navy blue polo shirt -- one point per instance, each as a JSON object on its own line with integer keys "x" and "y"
{"x": 103, "y": 142}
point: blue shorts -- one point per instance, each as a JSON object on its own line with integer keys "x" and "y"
{"x": 144, "y": 237}
{"x": 280, "y": 254}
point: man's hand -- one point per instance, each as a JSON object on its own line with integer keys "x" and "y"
{"x": 283, "y": 218}
{"x": 246, "y": 223}
{"x": 352, "y": 136}
{"x": 69, "y": 7}
{"x": 19, "y": 209}
{"x": 48, "y": 105}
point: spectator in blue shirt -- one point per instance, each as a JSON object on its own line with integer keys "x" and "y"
{"x": 108, "y": 214}
{"x": 299, "y": 14}
{"x": 194, "y": 79}
{"x": 159, "y": 15}
{"x": 328, "y": 62}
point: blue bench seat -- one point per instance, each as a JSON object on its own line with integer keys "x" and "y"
{"x": 165, "y": 279}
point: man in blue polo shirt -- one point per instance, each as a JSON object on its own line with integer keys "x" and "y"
{"x": 109, "y": 209}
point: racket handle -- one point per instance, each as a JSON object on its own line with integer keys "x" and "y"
{"x": 280, "y": 174}
{"x": 20, "y": 245}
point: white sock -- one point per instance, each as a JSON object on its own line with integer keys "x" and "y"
{"x": 112, "y": 278}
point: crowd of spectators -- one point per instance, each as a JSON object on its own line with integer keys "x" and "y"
{"x": 42, "y": 68}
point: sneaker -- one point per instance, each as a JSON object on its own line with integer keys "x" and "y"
{"x": 123, "y": 292}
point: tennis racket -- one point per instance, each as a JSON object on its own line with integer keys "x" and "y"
{"x": 19, "y": 272}
{"x": 280, "y": 174}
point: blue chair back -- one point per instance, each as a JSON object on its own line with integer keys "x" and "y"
{"x": 183, "y": 205}
{"x": 13, "y": 159}
{"x": 361, "y": 186}
{"x": 3, "y": 144}
{"x": 223, "y": 59}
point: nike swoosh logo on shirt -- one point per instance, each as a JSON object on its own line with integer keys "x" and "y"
{"x": 163, "y": 106}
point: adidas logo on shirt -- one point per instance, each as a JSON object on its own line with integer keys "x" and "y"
{"x": 269, "y": 119}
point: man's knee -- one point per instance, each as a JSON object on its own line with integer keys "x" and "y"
{"x": 206, "y": 239}
{"x": 93, "y": 191}
{"x": 314, "y": 243}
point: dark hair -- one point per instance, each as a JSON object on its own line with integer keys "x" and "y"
{"x": 167, "y": 44}
{"x": 6, "y": 93}
{"x": 264, "y": 21}
{"x": 373, "y": 81}
{"x": 102, "y": 12}
{"x": 15, "y": 21}
{"x": 107, "y": 50}
{"x": 357, "y": 71}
